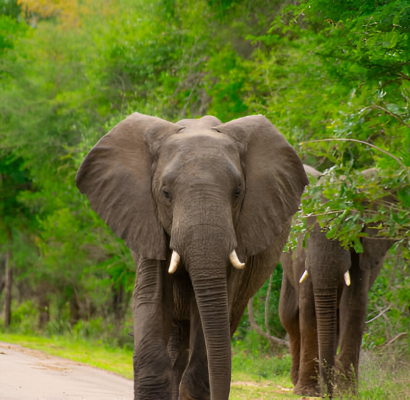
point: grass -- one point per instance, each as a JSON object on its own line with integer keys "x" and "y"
{"x": 260, "y": 377}
{"x": 385, "y": 374}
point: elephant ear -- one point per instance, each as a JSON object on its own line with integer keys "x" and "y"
{"x": 116, "y": 177}
{"x": 274, "y": 182}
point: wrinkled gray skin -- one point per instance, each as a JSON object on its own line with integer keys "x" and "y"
{"x": 322, "y": 312}
{"x": 203, "y": 189}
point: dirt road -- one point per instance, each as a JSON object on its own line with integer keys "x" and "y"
{"x": 32, "y": 375}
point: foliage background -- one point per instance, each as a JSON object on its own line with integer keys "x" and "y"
{"x": 69, "y": 71}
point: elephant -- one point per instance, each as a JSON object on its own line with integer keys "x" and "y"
{"x": 323, "y": 306}
{"x": 191, "y": 200}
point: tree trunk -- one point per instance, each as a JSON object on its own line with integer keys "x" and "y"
{"x": 74, "y": 309}
{"x": 2, "y": 285}
{"x": 43, "y": 307}
{"x": 8, "y": 282}
{"x": 119, "y": 306}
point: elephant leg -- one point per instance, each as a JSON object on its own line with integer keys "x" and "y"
{"x": 152, "y": 312}
{"x": 309, "y": 352}
{"x": 178, "y": 349}
{"x": 245, "y": 283}
{"x": 289, "y": 317}
{"x": 353, "y": 308}
{"x": 353, "y": 311}
{"x": 195, "y": 381}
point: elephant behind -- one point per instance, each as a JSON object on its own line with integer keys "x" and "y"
{"x": 323, "y": 305}
{"x": 190, "y": 200}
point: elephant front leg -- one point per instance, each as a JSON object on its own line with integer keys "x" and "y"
{"x": 309, "y": 352}
{"x": 178, "y": 349}
{"x": 289, "y": 317}
{"x": 353, "y": 311}
{"x": 195, "y": 381}
{"x": 152, "y": 311}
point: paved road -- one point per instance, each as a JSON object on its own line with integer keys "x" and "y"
{"x": 32, "y": 375}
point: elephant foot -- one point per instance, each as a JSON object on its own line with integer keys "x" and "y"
{"x": 346, "y": 388}
{"x": 346, "y": 381}
{"x": 307, "y": 390}
{"x": 294, "y": 375}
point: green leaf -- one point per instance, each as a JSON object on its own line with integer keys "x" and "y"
{"x": 404, "y": 195}
{"x": 358, "y": 247}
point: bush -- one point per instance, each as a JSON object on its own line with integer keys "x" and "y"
{"x": 24, "y": 318}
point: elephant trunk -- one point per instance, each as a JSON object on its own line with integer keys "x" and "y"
{"x": 325, "y": 303}
{"x": 205, "y": 238}
{"x": 212, "y": 299}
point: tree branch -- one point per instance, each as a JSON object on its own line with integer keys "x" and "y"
{"x": 404, "y": 76}
{"x": 393, "y": 273}
{"x": 267, "y": 306}
{"x": 387, "y": 112}
{"x": 366, "y": 143}
{"x": 272, "y": 339}
{"x": 396, "y": 337}
{"x": 379, "y": 315}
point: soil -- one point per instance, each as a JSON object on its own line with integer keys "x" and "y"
{"x": 27, "y": 374}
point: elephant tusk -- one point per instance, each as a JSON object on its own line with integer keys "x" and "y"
{"x": 303, "y": 277}
{"x": 233, "y": 258}
{"x": 174, "y": 262}
{"x": 347, "y": 278}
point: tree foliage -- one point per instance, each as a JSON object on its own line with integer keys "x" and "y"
{"x": 334, "y": 77}
{"x": 345, "y": 98}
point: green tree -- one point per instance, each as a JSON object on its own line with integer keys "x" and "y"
{"x": 318, "y": 70}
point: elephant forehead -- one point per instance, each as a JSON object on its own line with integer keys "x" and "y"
{"x": 203, "y": 143}
{"x": 198, "y": 155}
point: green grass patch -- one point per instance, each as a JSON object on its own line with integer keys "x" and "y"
{"x": 262, "y": 368}
{"x": 384, "y": 374}
{"x": 263, "y": 377}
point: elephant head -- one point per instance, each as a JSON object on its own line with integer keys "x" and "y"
{"x": 206, "y": 190}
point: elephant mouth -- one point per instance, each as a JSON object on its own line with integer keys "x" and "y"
{"x": 346, "y": 277}
{"x": 176, "y": 258}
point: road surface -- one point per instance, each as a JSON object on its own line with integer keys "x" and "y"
{"x": 27, "y": 374}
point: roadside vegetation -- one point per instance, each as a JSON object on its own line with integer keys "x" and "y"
{"x": 334, "y": 77}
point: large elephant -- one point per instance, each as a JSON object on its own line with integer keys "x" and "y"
{"x": 191, "y": 199}
{"x": 323, "y": 306}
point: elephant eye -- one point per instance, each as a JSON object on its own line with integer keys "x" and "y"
{"x": 238, "y": 191}
{"x": 166, "y": 193}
